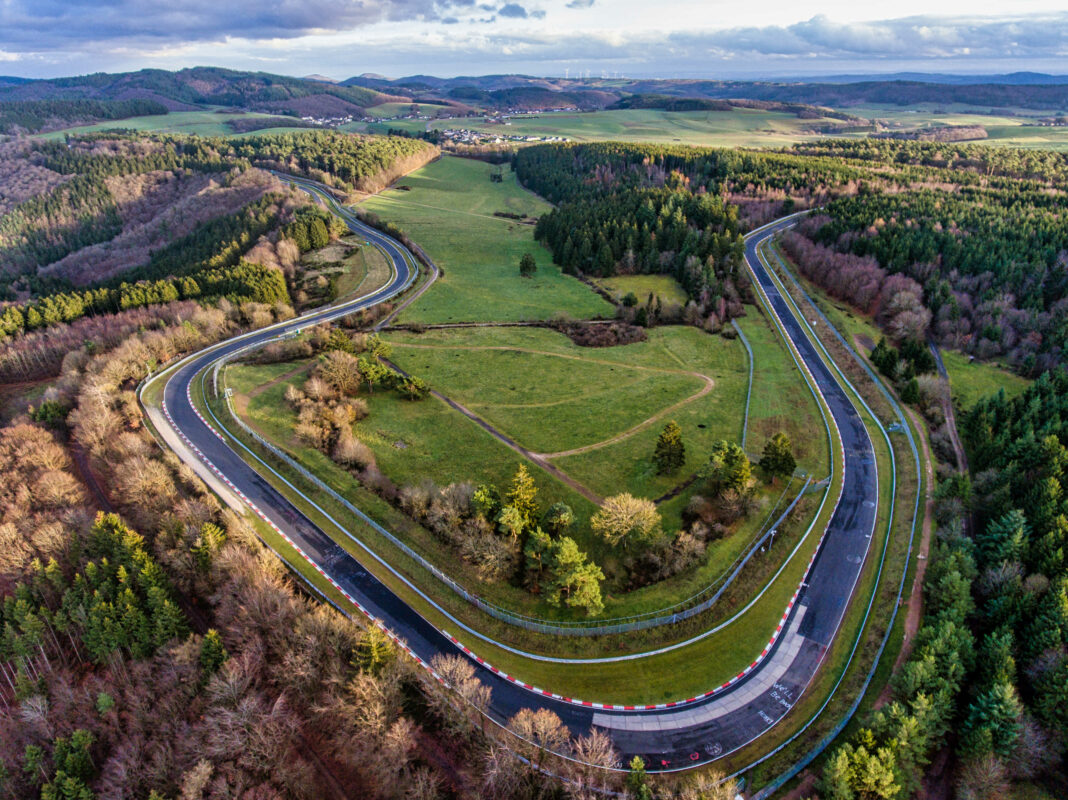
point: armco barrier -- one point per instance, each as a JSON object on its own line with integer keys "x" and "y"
{"x": 749, "y": 391}
{"x": 822, "y": 745}
{"x": 532, "y": 624}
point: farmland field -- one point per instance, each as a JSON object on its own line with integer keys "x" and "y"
{"x": 740, "y": 127}
{"x": 198, "y": 123}
{"x": 449, "y": 209}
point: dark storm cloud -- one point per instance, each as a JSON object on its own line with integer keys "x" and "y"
{"x": 48, "y": 24}
{"x": 513, "y": 11}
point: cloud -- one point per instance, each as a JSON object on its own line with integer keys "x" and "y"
{"x": 301, "y": 36}
{"x": 912, "y": 37}
{"x": 44, "y": 24}
{"x": 513, "y": 11}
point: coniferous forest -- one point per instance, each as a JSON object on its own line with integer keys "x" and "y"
{"x": 975, "y": 235}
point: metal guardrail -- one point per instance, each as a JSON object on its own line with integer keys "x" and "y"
{"x": 749, "y": 391}
{"x": 826, "y": 741}
{"x": 530, "y": 623}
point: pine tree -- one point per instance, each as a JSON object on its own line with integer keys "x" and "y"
{"x": 212, "y": 652}
{"x": 670, "y": 452}
{"x": 527, "y": 265}
{"x": 523, "y": 495}
{"x": 778, "y": 458}
{"x": 374, "y": 651}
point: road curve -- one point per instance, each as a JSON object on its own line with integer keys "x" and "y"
{"x": 667, "y": 737}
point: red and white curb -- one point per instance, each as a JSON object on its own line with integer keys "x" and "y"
{"x": 481, "y": 661}
{"x": 359, "y": 607}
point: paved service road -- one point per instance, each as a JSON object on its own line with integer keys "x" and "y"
{"x": 687, "y": 734}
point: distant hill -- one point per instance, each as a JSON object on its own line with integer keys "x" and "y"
{"x": 1018, "y": 90}
{"x": 1011, "y": 78}
{"x": 199, "y": 86}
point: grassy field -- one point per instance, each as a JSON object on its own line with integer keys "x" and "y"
{"x": 546, "y": 395}
{"x": 666, "y": 288}
{"x": 199, "y": 123}
{"x": 553, "y": 407}
{"x": 969, "y": 382}
{"x": 430, "y": 431}
{"x": 449, "y": 212}
{"x": 740, "y": 127}
{"x": 353, "y": 267}
{"x": 781, "y": 401}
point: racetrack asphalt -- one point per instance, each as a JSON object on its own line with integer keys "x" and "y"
{"x": 687, "y": 734}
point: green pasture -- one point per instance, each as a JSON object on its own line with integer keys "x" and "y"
{"x": 971, "y": 381}
{"x": 197, "y": 123}
{"x": 664, "y": 287}
{"x": 449, "y": 211}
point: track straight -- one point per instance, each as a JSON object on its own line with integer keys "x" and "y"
{"x": 668, "y": 736}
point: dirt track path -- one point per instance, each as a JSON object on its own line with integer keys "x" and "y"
{"x": 285, "y": 376}
{"x": 709, "y": 385}
{"x": 915, "y": 599}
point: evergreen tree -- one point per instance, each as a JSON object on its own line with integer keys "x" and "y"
{"x": 527, "y": 265}
{"x": 212, "y": 652}
{"x": 637, "y": 782}
{"x": 523, "y": 495}
{"x": 778, "y": 458}
{"x": 670, "y": 452}
{"x": 374, "y": 650}
{"x": 574, "y": 578}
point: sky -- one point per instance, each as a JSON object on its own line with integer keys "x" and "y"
{"x": 633, "y": 38}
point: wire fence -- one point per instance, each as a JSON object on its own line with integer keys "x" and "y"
{"x": 565, "y": 628}
{"x": 825, "y": 742}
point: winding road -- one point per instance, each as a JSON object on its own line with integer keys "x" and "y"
{"x": 668, "y": 736}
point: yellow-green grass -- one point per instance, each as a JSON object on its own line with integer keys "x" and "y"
{"x": 664, "y": 287}
{"x": 971, "y": 381}
{"x": 781, "y": 401}
{"x": 1029, "y": 136}
{"x": 739, "y": 127}
{"x": 414, "y": 441}
{"x": 199, "y": 123}
{"x": 611, "y": 407}
{"x": 430, "y": 440}
{"x": 673, "y": 675}
{"x": 546, "y": 401}
{"x": 409, "y": 125}
{"x": 449, "y": 212}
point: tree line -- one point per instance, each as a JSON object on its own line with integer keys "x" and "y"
{"x": 33, "y": 116}
{"x": 988, "y": 673}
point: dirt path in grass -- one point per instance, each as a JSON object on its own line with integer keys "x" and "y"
{"x": 709, "y": 385}
{"x": 915, "y": 598}
{"x": 285, "y": 376}
{"x": 535, "y": 458}
{"x": 645, "y": 423}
